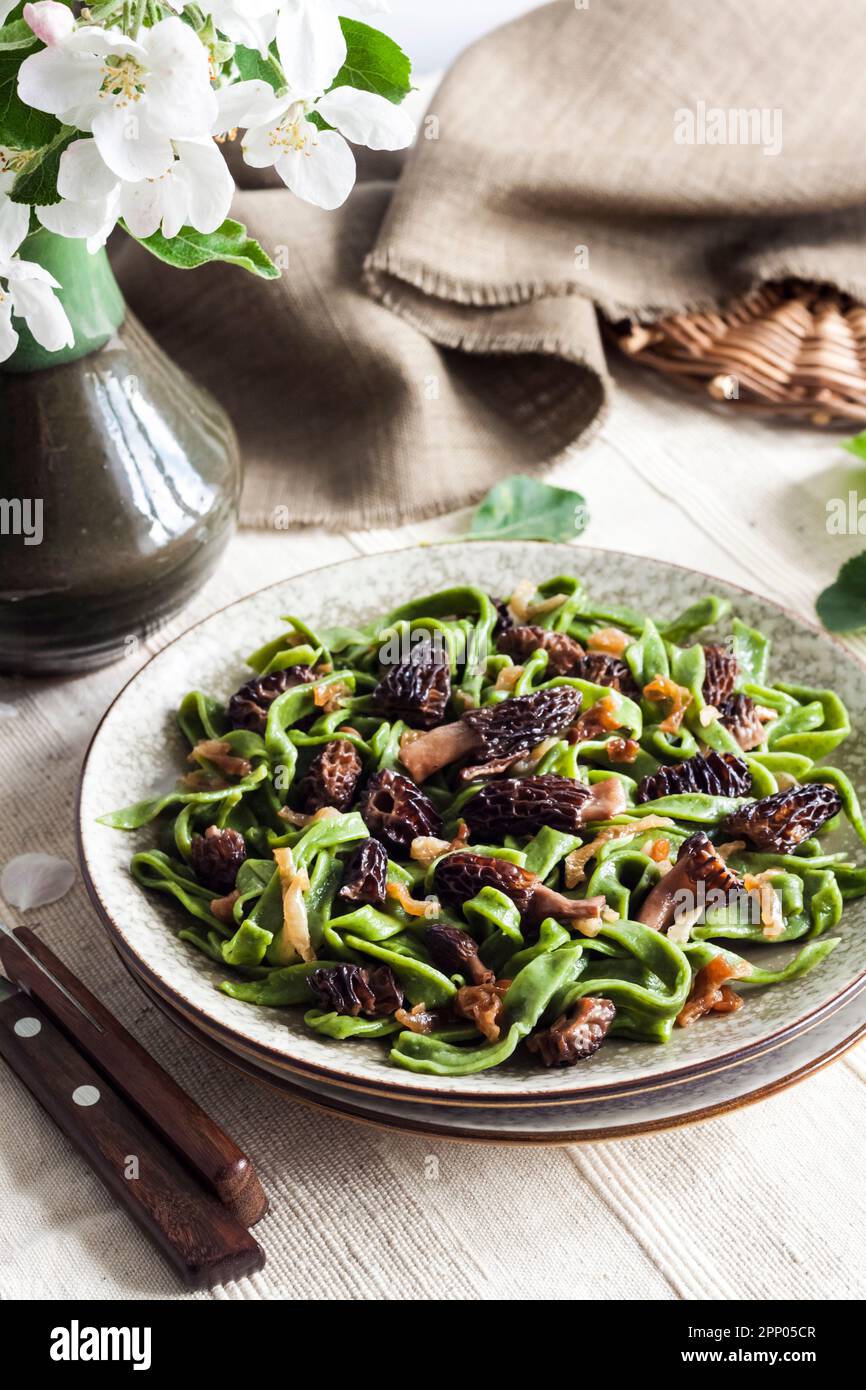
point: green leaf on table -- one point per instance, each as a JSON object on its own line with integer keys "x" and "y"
{"x": 857, "y": 445}
{"x": 37, "y": 182}
{"x": 842, "y": 606}
{"x": 229, "y": 242}
{"x": 17, "y": 37}
{"x": 21, "y": 127}
{"x": 374, "y": 62}
{"x": 525, "y": 509}
{"x": 252, "y": 66}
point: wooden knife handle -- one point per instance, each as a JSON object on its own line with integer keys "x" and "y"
{"x": 165, "y": 1106}
{"x": 204, "y": 1242}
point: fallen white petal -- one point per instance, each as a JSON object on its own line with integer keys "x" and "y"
{"x": 32, "y": 880}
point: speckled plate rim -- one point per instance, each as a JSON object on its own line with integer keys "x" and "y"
{"x": 580, "y": 558}
{"x": 356, "y": 1113}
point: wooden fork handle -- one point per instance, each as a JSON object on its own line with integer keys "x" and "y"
{"x": 204, "y": 1242}
{"x": 134, "y": 1074}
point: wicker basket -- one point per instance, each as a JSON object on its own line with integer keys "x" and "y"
{"x": 790, "y": 349}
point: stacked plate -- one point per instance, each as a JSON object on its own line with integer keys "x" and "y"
{"x": 781, "y": 1035}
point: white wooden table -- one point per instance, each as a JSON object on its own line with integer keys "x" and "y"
{"x": 359, "y": 1213}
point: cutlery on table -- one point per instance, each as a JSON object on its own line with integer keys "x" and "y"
{"x": 183, "y": 1180}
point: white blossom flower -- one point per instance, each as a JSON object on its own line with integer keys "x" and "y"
{"x": 25, "y": 288}
{"x": 309, "y": 36}
{"x": 135, "y": 95}
{"x": 196, "y": 190}
{"x": 27, "y": 291}
{"x": 317, "y": 165}
{"x": 14, "y": 217}
{"x": 310, "y": 40}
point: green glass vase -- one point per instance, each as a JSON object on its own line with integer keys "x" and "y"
{"x": 119, "y": 478}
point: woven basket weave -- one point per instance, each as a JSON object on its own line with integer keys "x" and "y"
{"x": 792, "y": 349}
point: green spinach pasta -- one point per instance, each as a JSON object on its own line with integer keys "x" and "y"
{"x": 479, "y": 825}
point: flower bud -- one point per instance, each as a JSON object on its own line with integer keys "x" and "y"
{"x": 50, "y": 21}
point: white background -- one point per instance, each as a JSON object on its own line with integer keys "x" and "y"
{"x": 433, "y": 32}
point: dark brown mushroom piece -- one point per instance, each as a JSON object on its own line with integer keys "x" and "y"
{"x": 562, "y": 651}
{"x": 459, "y": 877}
{"x": 416, "y": 691}
{"x": 355, "y": 989}
{"x": 494, "y": 732}
{"x": 216, "y": 857}
{"x": 739, "y": 715}
{"x": 522, "y": 805}
{"x": 721, "y": 670}
{"x": 365, "y": 877}
{"x": 575, "y": 1035}
{"x": 504, "y": 621}
{"x": 397, "y": 812}
{"x": 601, "y": 668}
{"x": 332, "y": 777}
{"x": 717, "y": 774}
{"x": 455, "y": 952}
{"x": 698, "y": 862}
{"x": 248, "y": 708}
{"x": 781, "y": 822}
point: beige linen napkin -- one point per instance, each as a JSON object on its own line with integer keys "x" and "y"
{"x": 642, "y": 158}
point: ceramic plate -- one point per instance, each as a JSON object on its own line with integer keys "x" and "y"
{"x": 137, "y": 752}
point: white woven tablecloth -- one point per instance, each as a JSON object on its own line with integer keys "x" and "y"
{"x": 360, "y": 1213}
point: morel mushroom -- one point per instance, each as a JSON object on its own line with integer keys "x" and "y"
{"x": 504, "y": 620}
{"x": 332, "y": 777}
{"x": 562, "y": 651}
{"x": 416, "y": 691}
{"x": 698, "y": 862}
{"x": 575, "y": 1035}
{"x": 720, "y": 674}
{"x": 396, "y": 812}
{"x": 455, "y": 952}
{"x": 459, "y": 877}
{"x": 248, "y": 707}
{"x": 494, "y": 732}
{"x": 365, "y": 877}
{"x": 522, "y": 805}
{"x": 354, "y": 990}
{"x": 739, "y": 714}
{"x": 601, "y": 668}
{"x": 216, "y": 857}
{"x": 781, "y": 822}
{"x": 717, "y": 774}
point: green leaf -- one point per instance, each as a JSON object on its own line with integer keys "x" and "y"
{"x": 252, "y": 66}
{"x": 374, "y": 62}
{"x": 228, "y": 243}
{"x": 37, "y": 182}
{"x": 20, "y": 126}
{"x": 857, "y": 445}
{"x": 17, "y": 37}
{"x": 524, "y": 509}
{"x": 842, "y": 606}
